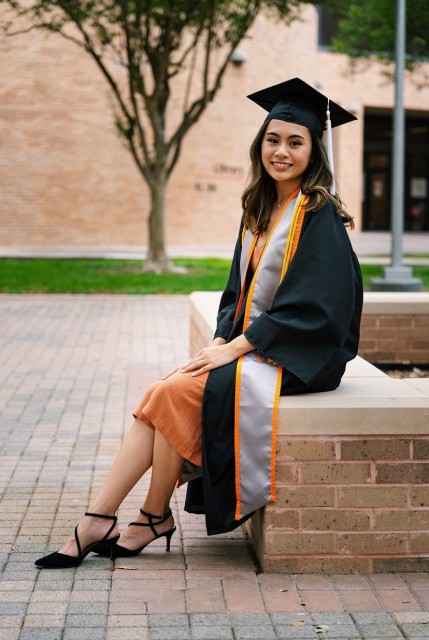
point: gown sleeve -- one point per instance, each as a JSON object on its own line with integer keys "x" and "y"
{"x": 315, "y": 306}
{"x": 229, "y": 299}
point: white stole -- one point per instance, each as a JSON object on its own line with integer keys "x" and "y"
{"x": 258, "y": 379}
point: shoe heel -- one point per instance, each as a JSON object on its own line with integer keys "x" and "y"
{"x": 111, "y": 550}
{"x": 106, "y": 549}
{"x": 168, "y": 537}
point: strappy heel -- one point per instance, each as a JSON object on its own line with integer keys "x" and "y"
{"x": 119, "y": 551}
{"x": 59, "y": 560}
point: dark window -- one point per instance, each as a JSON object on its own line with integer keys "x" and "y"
{"x": 377, "y": 168}
{"x": 328, "y": 26}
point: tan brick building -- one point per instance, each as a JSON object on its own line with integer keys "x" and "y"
{"x": 68, "y": 181}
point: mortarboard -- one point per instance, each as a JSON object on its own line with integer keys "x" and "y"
{"x": 298, "y": 102}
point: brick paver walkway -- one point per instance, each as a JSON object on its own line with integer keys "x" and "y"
{"x": 72, "y": 369}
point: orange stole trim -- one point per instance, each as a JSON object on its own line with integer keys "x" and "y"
{"x": 294, "y": 234}
{"x": 243, "y": 233}
{"x": 253, "y": 283}
{"x": 299, "y": 222}
{"x": 237, "y": 438}
{"x": 249, "y": 257}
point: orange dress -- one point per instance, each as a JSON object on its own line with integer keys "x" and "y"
{"x": 173, "y": 406}
{"x": 256, "y": 256}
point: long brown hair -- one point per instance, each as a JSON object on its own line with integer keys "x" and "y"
{"x": 260, "y": 195}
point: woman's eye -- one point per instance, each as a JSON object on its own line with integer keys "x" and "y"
{"x": 271, "y": 140}
{"x": 295, "y": 143}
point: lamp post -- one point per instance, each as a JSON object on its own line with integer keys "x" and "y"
{"x": 397, "y": 277}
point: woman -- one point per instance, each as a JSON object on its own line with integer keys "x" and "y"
{"x": 288, "y": 323}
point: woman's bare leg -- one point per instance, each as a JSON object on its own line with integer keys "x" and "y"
{"x": 166, "y": 467}
{"x": 131, "y": 463}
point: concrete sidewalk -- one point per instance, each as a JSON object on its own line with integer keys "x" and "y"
{"x": 72, "y": 369}
{"x": 371, "y": 247}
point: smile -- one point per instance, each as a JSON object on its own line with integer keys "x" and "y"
{"x": 281, "y": 165}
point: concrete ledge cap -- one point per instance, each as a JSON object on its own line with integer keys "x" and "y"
{"x": 358, "y": 406}
{"x": 374, "y": 302}
{"x": 360, "y": 368}
{"x": 389, "y": 302}
{"x": 422, "y": 384}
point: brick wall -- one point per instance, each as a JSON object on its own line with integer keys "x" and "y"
{"x": 395, "y": 328}
{"x": 395, "y": 338}
{"x": 67, "y": 180}
{"x": 348, "y": 504}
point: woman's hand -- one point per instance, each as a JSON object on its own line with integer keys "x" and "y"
{"x": 209, "y": 358}
{"x": 216, "y": 342}
{"x": 216, "y": 355}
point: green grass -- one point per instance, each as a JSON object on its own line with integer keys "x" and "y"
{"x": 407, "y": 256}
{"x": 43, "y": 275}
{"x": 52, "y": 275}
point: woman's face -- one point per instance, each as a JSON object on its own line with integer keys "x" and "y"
{"x": 286, "y": 151}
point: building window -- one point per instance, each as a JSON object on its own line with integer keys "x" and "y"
{"x": 328, "y": 26}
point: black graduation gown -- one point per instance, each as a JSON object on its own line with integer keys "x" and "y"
{"x": 311, "y": 330}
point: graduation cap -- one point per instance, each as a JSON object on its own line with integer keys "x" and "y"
{"x": 296, "y": 101}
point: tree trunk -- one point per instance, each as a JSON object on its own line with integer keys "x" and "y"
{"x": 157, "y": 260}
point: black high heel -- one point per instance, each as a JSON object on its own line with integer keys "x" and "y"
{"x": 59, "y": 560}
{"x": 119, "y": 551}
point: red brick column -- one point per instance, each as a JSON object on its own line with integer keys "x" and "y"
{"x": 395, "y": 338}
{"x": 347, "y": 504}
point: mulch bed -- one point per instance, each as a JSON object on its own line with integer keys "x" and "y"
{"x": 406, "y": 372}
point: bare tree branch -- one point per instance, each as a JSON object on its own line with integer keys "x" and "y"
{"x": 194, "y": 112}
{"x": 178, "y": 64}
{"x": 134, "y": 74}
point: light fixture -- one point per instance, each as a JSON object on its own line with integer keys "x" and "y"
{"x": 238, "y": 56}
